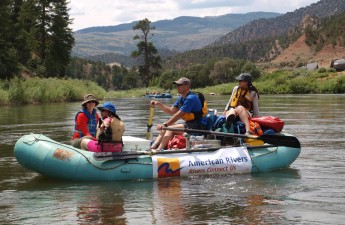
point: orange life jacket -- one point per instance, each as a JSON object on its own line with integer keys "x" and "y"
{"x": 255, "y": 128}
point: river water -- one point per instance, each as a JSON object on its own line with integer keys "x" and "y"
{"x": 311, "y": 191}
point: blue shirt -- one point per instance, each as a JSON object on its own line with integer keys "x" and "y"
{"x": 189, "y": 104}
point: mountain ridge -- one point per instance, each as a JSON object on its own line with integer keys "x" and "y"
{"x": 262, "y": 28}
{"x": 180, "y": 34}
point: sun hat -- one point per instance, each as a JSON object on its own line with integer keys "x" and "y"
{"x": 245, "y": 77}
{"x": 182, "y": 80}
{"x": 108, "y": 106}
{"x": 89, "y": 98}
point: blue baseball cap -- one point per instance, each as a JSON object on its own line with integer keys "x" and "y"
{"x": 108, "y": 106}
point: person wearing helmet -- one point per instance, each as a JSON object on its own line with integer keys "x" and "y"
{"x": 243, "y": 102}
{"x": 109, "y": 132}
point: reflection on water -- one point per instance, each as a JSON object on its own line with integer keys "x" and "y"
{"x": 310, "y": 192}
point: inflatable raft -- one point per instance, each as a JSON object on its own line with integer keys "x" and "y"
{"x": 47, "y": 157}
{"x": 163, "y": 95}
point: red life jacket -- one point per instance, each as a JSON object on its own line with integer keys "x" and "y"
{"x": 269, "y": 122}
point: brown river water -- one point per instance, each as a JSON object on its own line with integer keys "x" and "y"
{"x": 311, "y": 191}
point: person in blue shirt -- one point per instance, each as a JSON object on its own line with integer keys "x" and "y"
{"x": 187, "y": 107}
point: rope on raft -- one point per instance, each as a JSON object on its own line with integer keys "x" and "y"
{"x": 36, "y": 139}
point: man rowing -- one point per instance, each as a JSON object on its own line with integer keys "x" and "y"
{"x": 188, "y": 107}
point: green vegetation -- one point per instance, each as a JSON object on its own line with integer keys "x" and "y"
{"x": 34, "y": 36}
{"x": 330, "y": 32}
{"x": 301, "y": 82}
{"x": 36, "y": 42}
{"x": 279, "y": 82}
{"x": 35, "y": 90}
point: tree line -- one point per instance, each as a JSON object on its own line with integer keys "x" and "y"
{"x": 35, "y": 36}
{"x": 36, "y": 41}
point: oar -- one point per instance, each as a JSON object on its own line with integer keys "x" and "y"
{"x": 279, "y": 140}
{"x": 149, "y": 124}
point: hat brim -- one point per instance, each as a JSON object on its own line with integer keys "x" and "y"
{"x": 91, "y": 100}
{"x": 103, "y": 108}
{"x": 239, "y": 78}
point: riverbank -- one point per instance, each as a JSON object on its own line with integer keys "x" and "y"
{"x": 298, "y": 81}
{"x": 49, "y": 90}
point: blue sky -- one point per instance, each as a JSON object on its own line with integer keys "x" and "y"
{"x": 89, "y": 13}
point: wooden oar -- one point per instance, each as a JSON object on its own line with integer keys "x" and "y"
{"x": 279, "y": 140}
{"x": 149, "y": 123}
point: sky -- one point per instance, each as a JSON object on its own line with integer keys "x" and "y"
{"x": 90, "y": 13}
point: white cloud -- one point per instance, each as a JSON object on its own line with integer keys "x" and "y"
{"x": 88, "y": 13}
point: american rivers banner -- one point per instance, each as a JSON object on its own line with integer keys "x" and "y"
{"x": 222, "y": 161}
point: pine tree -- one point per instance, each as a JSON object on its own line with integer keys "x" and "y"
{"x": 18, "y": 33}
{"x": 147, "y": 52}
{"x": 8, "y": 56}
{"x": 30, "y": 31}
{"x": 61, "y": 40}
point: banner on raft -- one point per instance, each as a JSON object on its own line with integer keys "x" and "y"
{"x": 223, "y": 161}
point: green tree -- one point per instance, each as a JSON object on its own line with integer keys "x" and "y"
{"x": 167, "y": 78}
{"x": 147, "y": 52}
{"x": 8, "y": 56}
{"x": 225, "y": 70}
{"x": 44, "y": 27}
{"x": 19, "y": 38}
{"x": 61, "y": 40}
{"x": 28, "y": 32}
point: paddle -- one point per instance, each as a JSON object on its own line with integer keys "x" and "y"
{"x": 279, "y": 140}
{"x": 149, "y": 124}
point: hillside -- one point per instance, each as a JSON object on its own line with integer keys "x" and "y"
{"x": 180, "y": 34}
{"x": 306, "y": 42}
{"x": 321, "y": 42}
{"x": 300, "y": 52}
{"x": 280, "y": 25}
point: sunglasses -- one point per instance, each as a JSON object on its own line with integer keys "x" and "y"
{"x": 178, "y": 85}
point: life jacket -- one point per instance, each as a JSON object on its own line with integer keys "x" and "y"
{"x": 242, "y": 97}
{"x": 91, "y": 123}
{"x": 255, "y": 128}
{"x": 117, "y": 128}
{"x": 269, "y": 122}
{"x": 196, "y": 114}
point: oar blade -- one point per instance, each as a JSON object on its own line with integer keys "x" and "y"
{"x": 281, "y": 140}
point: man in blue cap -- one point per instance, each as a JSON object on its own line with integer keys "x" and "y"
{"x": 188, "y": 107}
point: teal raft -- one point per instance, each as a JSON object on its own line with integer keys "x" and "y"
{"x": 47, "y": 157}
